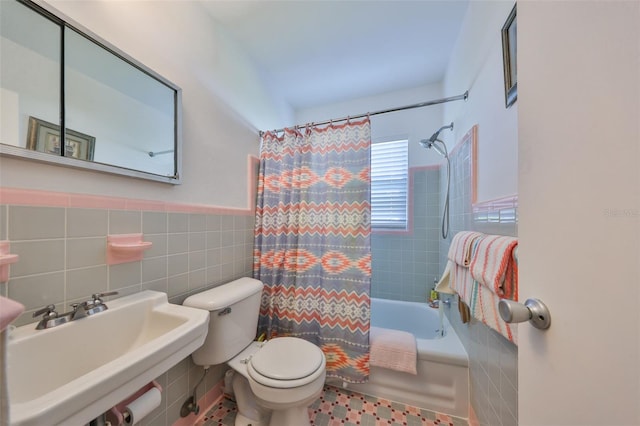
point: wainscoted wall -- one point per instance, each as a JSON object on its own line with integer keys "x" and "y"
{"x": 62, "y": 253}
{"x": 405, "y": 263}
{"x": 493, "y": 359}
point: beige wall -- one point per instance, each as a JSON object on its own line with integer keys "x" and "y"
{"x": 224, "y": 103}
{"x": 476, "y": 65}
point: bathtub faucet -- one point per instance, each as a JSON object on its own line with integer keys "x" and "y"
{"x": 436, "y": 303}
{"x": 441, "y": 303}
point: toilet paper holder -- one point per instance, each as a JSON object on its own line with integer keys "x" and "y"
{"x": 533, "y": 310}
{"x": 119, "y": 415}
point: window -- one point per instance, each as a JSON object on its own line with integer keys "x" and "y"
{"x": 389, "y": 166}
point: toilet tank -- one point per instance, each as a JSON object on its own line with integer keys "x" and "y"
{"x": 234, "y": 308}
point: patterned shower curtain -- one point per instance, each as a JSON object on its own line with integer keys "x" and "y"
{"x": 312, "y": 242}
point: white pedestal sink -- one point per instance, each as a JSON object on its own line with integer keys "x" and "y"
{"x": 72, "y": 373}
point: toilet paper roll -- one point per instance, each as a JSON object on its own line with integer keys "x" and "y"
{"x": 137, "y": 409}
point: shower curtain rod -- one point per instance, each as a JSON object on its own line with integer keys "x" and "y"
{"x": 464, "y": 96}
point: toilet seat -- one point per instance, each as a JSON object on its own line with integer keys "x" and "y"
{"x": 286, "y": 362}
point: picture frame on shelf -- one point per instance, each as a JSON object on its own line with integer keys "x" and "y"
{"x": 45, "y": 137}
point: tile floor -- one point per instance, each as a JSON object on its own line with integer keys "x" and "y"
{"x": 342, "y": 407}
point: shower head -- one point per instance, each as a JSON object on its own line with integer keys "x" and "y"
{"x": 434, "y": 137}
{"x": 431, "y": 142}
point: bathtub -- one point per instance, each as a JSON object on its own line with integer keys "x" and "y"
{"x": 442, "y": 382}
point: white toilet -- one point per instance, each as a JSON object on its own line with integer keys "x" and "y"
{"x": 277, "y": 379}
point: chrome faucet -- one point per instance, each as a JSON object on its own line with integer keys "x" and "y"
{"x": 98, "y": 303}
{"x": 50, "y": 317}
{"x": 80, "y": 310}
{"x": 90, "y": 307}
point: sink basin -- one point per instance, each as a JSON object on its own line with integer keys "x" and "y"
{"x": 72, "y": 373}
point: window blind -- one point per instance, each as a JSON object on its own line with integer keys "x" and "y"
{"x": 389, "y": 174}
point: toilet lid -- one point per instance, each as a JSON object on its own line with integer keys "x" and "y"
{"x": 287, "y": 358}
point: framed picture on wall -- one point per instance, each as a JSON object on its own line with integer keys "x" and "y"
{"x": 45, "y": 137}
{"x": 509, "y": 58}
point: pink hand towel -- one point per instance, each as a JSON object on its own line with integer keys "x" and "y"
{"x": 9, "y": 311}
{"x": 393, "y": 349}
{"x": 493, "y": 265}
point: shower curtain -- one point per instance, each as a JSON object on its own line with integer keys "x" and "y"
{"x": 312, "y": 242}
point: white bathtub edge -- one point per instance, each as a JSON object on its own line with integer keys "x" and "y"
{"x": 448, "y": 349}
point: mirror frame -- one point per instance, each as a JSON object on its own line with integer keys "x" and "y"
{"x": 49, "y": 12}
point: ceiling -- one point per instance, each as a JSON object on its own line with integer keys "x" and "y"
{"x": 316, "y": 52}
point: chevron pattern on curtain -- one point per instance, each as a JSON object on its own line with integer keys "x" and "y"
{"x": 312, "y": 242}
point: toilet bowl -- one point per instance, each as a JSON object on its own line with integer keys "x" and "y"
{"x": 274, "y": 381}
{"x": 283, "y": 376}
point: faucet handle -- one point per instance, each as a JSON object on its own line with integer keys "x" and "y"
{"x": 48, "y": 311}
{"x": 97, "y": 300}
{"x": 98, "y": 296}
{"x": 50, "y": 317}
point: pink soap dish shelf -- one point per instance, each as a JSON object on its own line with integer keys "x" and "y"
{"x": 125, "y": 248}
{"x": 5, "y": 260}
{"x": 131, "y": 247}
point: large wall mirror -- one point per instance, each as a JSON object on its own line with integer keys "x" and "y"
{"x": 59, "y": 82}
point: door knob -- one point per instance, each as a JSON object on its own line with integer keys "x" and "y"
{"x": 533, "y": 311}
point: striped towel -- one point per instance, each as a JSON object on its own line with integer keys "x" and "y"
{"x": 484, "y": 308}
{"x": 460, "y": 253}
{"x": 461, "y": 281}
{"x": 460, "y": 250}
{"x": 494, "y": 266}
{"x": 485, "y": 271}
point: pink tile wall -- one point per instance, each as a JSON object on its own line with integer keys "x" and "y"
{"x": 62, "y": 241}
{"x": 33, "y": 197}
